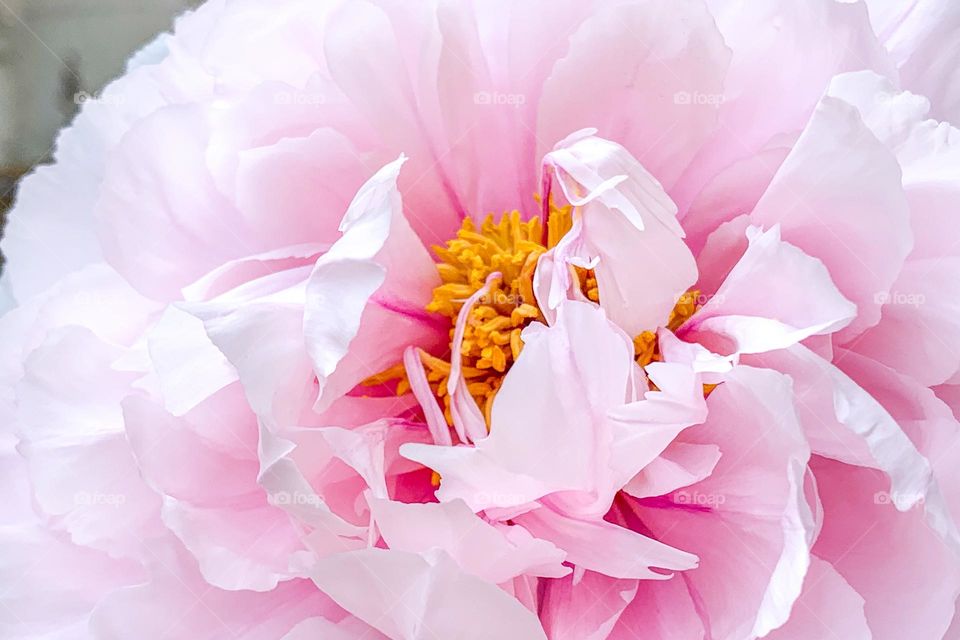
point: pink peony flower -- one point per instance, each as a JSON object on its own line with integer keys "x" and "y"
{"x": 568, "y": 320}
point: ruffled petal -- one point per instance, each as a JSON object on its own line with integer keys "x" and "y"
{"x": 494, "y": 554}
{"x": 648, "y": 74}
{"x": 534, "y": 418}
{"x": 920, "y": 314}
{"x": 838, "y": 197}
{"x": 860, "y": 529}
{"x": 629, "y": 228}
{"x": 585, "y": 609}
{"x": 828, "y": 607}
{"x": 757, "y": 313}
{"x": 418, "y": 597}
{"x": 748, "y": 521}
{"x": 607, "y": 548}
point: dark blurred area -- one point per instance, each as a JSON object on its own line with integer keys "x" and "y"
{"x": 54, "y": 55}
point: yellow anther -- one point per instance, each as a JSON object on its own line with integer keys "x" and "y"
{"x": 492, "y": 334}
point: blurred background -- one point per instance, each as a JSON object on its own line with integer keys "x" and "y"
{"x": 54, "y": 54}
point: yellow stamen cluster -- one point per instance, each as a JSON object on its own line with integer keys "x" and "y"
{"x": 646, "y": 346}
{"x": 491, "y": 341}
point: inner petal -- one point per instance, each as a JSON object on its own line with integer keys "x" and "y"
{"x": 492, "y": 341}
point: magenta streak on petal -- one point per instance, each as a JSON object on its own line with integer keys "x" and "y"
{"x": 664, "y": 502}
{"x": 546, "y": 190}
{"x": 424, "y": 395}
{"x": 414, "y": 313}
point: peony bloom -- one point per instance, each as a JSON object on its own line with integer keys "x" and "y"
{"x": 568, "y": 320}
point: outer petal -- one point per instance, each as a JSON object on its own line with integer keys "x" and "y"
{"x": 845, "y": 422}
{"x": 585, "y": 609}
{"x": 607, "y": 548}
{"x": 646, "y": 73}
{"x": 381, "y": 75}
{"x": 838, "y": 198}
{"x": 496, "y": 555}
{"x": 921, "y": 35}
{"x": 772, "y": 87}
{"x": 51, "y": 585}
{"x": 82, "y": 470}
{"x": 420, "y": 597}
{"x": 748, "y": 521}
{"x": 827, "y": 608}
{"x": 50, "y": 232}
{"x": 860, "y": 528}
{"x": 755, "y": 311}
{"x": 922, "y": 302}
{"x": 177, "y": 602}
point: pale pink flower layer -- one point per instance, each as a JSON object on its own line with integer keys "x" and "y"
{"x": 228, "y": 246}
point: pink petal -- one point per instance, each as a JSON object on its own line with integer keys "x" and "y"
{"x": 748, "y": 521}
{"x": 238, "y": 547}
{"x": 534, "y": 419}
{"x": 607, "y": 548}
{"x": 491, "y": 553}
{"x": 910, "y": 593}
{"x": 419, "y": 597}
{"x": 922, "y": 301}
{"x": 373, "y": 283}
{"x": 773, "y": 85}
{"x": 839, "y": 170}
{"x": 175, "y": 601}
{"x": 757, "y": 313}
{"x": 585, "y": 609}
{"x": 51, "y": 585}
{"x": 828, "y": 607}
{"x": 630, "y": 224}
{"x": 921, "y": 36}
{"x": 663, "y": 609}
{"x": 680, "y": 465}
{"x": 630, "y": 92}
{"x": 82, "y": 470}
{"x": 189, "y": 367}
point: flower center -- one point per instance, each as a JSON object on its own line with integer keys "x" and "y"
{"x": 491, "y": 338}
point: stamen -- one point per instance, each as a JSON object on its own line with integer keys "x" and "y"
{"x": 487, "y": 293}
